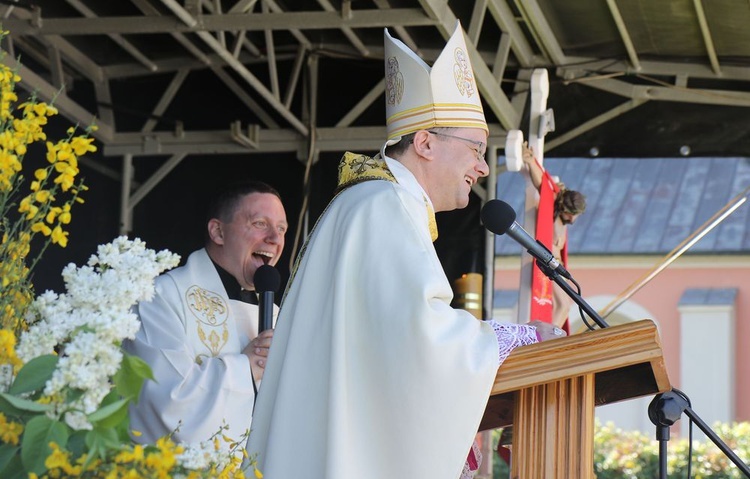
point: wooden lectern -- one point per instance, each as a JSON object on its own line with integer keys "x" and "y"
{"x": 548, "y": 392}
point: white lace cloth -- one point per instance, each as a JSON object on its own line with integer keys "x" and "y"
{"x": 472, "y": 462}
{"x": 509, "y": 337}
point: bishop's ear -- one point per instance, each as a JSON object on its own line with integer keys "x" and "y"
{"x": 424, "y": 144}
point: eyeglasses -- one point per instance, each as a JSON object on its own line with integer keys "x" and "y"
{"x": 480, "y": 149}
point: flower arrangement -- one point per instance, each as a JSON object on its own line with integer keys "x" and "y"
{"x": 65, "y": 383}
{"x": 45, "y": 208}
{"x": 64, "y": 414}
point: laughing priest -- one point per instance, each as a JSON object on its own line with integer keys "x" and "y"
{"x": 372, "y": 374}
{"x": 200, "y": 332}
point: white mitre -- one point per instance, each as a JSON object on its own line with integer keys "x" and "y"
{"x": 419, "y": 97}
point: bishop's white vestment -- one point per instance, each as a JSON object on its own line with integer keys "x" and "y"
{"x": 192, "y": 335}
{"x": 371, "y": 373}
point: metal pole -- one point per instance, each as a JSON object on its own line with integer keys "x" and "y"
{"x": 686, "y": 244}
{"x": 489, "y": 238}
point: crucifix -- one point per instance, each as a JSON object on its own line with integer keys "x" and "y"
{"x": 541, "y": 121}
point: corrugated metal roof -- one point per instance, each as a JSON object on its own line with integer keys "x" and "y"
{"x": 644, "y": 206}
{"x": 708, "y": 297}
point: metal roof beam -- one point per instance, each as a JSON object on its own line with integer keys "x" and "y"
{"x": 238, "y": 67}
{"x": 375, "y": 93}
{"x": 624, "y": 35}
{"x": 71, "y": 54}
{"x": 273, "y": 72}
{"x": 477, "y": 19}
{"x": 348, "y": 32}
{"x": 150, "y": 11}
{"x": 503, "y": 16}
{"x": 182, "y": 69}
{"x": 707, "y": 39}
{"x": 131, "y": 70}
{"x": 373, "y": 18}
{"x": 248, "y": 101}
{"x": 296, "y": 33}
{"x": 541, "y": 30}
{"x": 403, "y": 35}
{"x": 218, "y": 142}
{"x": 242, "y": 6}
{"x": 582, "y": 66}
{"x": 117, "y": 38}
{"x": 672, "y": 93}
{"x": 592, "y": 123}
{"x": 166, "y": 98}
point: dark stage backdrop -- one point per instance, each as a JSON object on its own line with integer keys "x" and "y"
{"x": 172, "y": 215}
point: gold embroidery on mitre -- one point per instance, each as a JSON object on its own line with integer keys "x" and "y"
{"x": 212, "y": 312}
{"x": 462, "y": 73}
{"x": 394, "y": 82}
{"x": 355, "y": 168}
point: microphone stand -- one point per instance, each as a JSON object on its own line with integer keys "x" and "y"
{"x": 555, "y": 276}
{"x": 666, "y": 408}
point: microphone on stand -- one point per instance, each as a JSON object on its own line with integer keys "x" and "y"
{"x": 500, "y": 218}
{"x": 266, "y": 281}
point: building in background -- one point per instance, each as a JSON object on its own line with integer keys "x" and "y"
{"x": 639, "y": 213}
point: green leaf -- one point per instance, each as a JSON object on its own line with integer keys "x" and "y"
{"x": 100, "y": 436}
{"x": 73, "y": 394}
{"x": 34, "y": 374}
{"x": 14, "y": 469}
{"x": 7, "y": 408}
{"x": 7, "y": 452}
{"x": 99, "y": 441}
{"x": 108, "y": 416}
{"x": 39, "y": 432}
{"x": 131, "y": 375}
{"x": 16, "y": 405}
{"x": 77, "y": 443}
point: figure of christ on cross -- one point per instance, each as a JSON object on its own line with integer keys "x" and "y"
{"x": 558, "y": 207}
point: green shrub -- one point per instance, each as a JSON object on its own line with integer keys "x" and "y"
{"x": 622, "y": 454}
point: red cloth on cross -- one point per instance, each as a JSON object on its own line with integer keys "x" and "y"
{"x": 541, "y": 285}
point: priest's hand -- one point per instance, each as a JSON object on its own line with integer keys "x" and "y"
{"x": 546, "y": 330}
{"x": 257, "y": 352}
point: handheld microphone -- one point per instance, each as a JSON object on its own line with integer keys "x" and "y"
{"x": 500, "y": 218}
{"x": 266, "y": 281}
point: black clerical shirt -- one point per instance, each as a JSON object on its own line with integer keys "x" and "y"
{"x": 234, "y": 290}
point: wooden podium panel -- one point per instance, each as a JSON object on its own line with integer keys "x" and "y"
{"x": 549, "y": 390}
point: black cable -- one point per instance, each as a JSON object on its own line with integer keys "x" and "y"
{"x": 580, "y": 309}
{"x": 690, "y": 433}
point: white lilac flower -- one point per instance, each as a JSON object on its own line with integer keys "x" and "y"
{"x": 77, "y": 420}
{"x": 87, "y": 324}
{"x": 205, "y": 455}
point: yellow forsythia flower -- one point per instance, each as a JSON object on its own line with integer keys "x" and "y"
{"x": 9, "y": 431}
{"x": 40, "y": 227}
{"x": 59, "y": 236}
